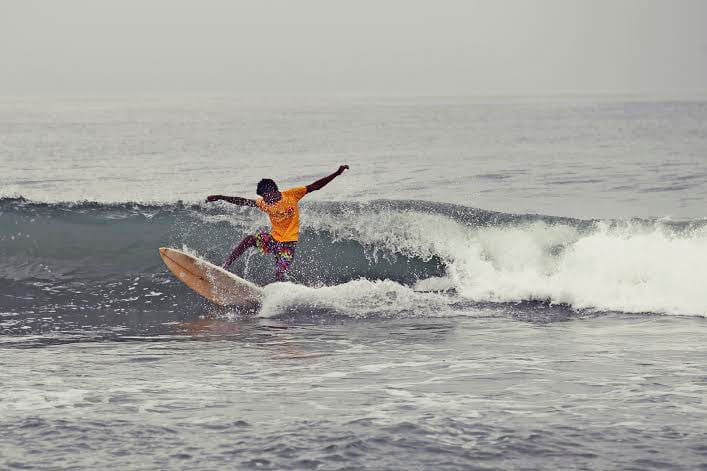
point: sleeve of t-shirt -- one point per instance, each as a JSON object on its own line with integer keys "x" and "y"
{"x": 297, "y": 192}
{"x": 260, "y": 204}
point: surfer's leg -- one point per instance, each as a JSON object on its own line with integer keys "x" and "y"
{"x": 284, "y": 255}
{"x": 238, "y": 250}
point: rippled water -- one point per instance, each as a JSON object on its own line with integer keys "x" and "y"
{"x": 425, "y": 330}
{"x": 486, "y": 392}
{"x": 578, "y": 157}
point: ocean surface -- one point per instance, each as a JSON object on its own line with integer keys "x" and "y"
{"x": 497, "y": 283}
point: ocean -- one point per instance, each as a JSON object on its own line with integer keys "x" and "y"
{"x": 496, "y": 283}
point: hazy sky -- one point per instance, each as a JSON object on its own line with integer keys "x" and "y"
{"x": 380, "y": 47}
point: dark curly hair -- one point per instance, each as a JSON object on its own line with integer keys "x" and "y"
{"x": 266, "y": 185}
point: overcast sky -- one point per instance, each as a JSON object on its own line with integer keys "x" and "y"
{"x": 377, "y": 47}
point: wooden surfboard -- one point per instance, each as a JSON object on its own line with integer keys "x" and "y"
{"x": 214, "y": 283}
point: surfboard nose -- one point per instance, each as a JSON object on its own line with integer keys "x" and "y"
{"x": 163, "y": 251}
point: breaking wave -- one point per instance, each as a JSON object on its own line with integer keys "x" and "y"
{"x": 361, "y": 259}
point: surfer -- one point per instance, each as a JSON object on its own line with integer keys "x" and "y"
{"x": 283, "y": 211}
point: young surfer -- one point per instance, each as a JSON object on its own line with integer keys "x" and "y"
{"x": 283, "y": 211}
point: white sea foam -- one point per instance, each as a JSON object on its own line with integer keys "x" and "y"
{"x": 358, "y": 298}
{"x": 627, "y": 266}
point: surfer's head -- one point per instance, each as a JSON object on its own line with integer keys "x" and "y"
{"x": 266, "y": 186}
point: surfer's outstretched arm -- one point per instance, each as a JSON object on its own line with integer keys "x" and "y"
{"x": 319, "y": 184}
{"x": 232, "y": 199}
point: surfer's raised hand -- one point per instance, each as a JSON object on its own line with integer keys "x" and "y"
{"x": 319, "y": 184}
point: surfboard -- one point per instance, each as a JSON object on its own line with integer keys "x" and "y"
{"x": 214, "y": 283}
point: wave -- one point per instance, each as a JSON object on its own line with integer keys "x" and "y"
{"x": 380, "y": 257}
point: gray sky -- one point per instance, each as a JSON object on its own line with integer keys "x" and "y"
{"x": 379, "y": 47}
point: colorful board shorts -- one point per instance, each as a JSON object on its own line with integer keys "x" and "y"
{"x": 284, "y": 251}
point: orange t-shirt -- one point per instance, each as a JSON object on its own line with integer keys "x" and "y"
{"x": 284, "y": 214}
